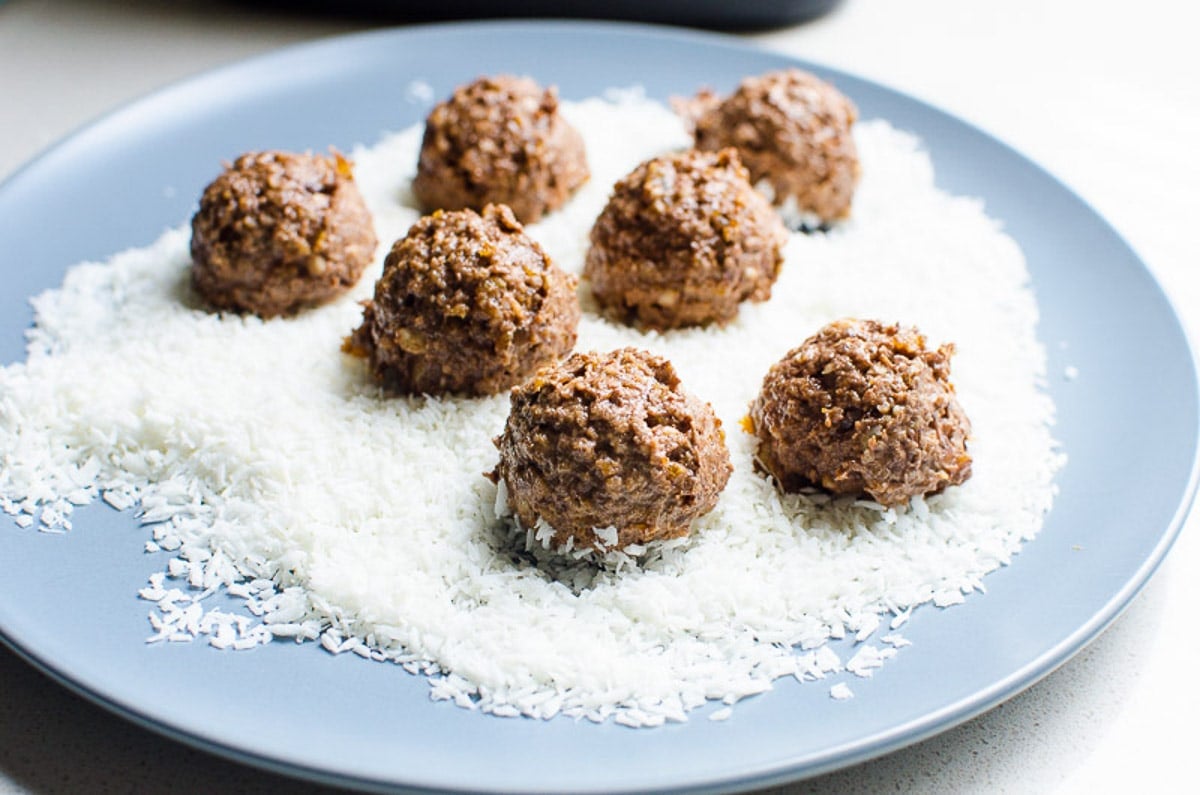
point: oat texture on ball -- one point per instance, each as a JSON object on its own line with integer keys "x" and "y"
{"x": 500, "y": 140}
{"x": 277, "y": 232}
{"x": 863, "y": 408}
{"x": 793, "y": 131}
{"x": 683, "y": 240}
{"x": 611, "y": 442}
{"x": 467, "y": 303}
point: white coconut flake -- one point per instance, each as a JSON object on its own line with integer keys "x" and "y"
{"x": 275, "y": 471}
{"x": 827, "y": 660}
{"x": 867, "y": 659}
{"x": 606, "y": 536}
{"x": 864, "y": 626}
{"x": 841, "y": 691}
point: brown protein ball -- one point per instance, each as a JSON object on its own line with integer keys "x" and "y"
{"x": 793, "y": 132}
{"x": 611, "y": 440}
{"x": 683, "y": 241}
{"x": 499, "y": 140}
{"x": 467, "y": 303}
{"x": 861, "y": 407}
{"x": 277, "y": 232}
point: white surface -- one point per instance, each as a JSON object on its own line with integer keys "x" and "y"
{"x": 1104, "y": 94}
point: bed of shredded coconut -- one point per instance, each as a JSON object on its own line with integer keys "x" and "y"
{"x": 266, "y": 464}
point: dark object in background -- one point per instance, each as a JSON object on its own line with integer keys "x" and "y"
{"x": 716, "y": 14}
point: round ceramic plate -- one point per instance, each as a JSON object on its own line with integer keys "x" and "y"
{"x": 1128, "y": 422}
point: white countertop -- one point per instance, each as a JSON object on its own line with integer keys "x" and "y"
{"x": 1102, "y": 93}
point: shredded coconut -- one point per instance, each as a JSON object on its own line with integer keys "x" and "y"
{"x": 867, "y": 659}
{"x": 267, "y": 465}
{"x": 841, "y": 691}
{"x": 896, "y": 640}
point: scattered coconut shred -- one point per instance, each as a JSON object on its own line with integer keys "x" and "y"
{"x": 269, "y": 466}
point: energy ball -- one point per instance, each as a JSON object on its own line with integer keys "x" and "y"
{"x": 610, "y": 451}
{"x": 792, "y": 131}
{"x": 467, "y": 303}
{"x": 500, "y": 140}
{"x": 683, "y": 240}
{"x": 863, "y": 408}
{"x": 277, "y": 232}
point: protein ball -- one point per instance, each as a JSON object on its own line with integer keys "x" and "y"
{"x": 793, "y": 132}
{"x": 863, "y": 408}
{"x": 467, "y": 303}
{"x": 500, "y": 140}
{"x": 277, "y": 232}
{"x": 607, "y": 441}
{"x": 683, "y": 240}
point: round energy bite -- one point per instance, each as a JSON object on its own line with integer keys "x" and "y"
{"x": 277, "y": 232}
{"x": 467, "y": 303}
{"x": 609, "y": 451}
{"x": 683, "y": 240}
{"x": 863, "y": 408}
{"x": 500, "y": 140}
{"x": 793, "y": 132}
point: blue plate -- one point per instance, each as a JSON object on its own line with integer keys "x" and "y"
{"x": 1129, "y": 423}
